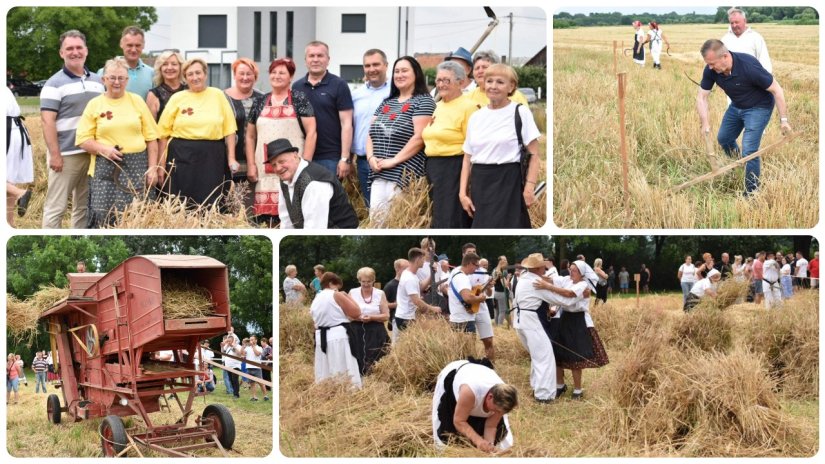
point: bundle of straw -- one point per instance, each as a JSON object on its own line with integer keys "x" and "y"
{"x": 296, "y": 330}
{"x": 421, "y": 352}
{"x": 171, "y": 212}
{"x": 730, "y": 291}
{"x": 182, "y": 300}
{"x": 706, "y": 328}
{"x": 47, "y": 296}
{"x": 21, "y": 320}
{"x": 410, "y": 209}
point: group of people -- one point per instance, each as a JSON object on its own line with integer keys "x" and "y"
{"x": 43, "y": 368}
{"x": 773, "y": 276}
{"x": 246, "y": 356}
{"x": 130, "y": 131}
{"x": 550, "y": 315}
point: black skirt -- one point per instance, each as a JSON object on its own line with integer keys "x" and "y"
{"x": 369, "y": 345}
{"x": 444, "y": 176}
{"x": 114, "y": 186}
{"x": 200, "y": 172}
{"x": 576, "y": 346}
{"x": 601, "y": 292}
{"x": 496, "y": 191}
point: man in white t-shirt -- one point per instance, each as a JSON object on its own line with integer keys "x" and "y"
{"x": 801, "y": 275}
{"x": 408, "y": 298}
{"x": 461, "y": 296}
{"x": 742, "y": 39}
{"x": 484, "y": 324}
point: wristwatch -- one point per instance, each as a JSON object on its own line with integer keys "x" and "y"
{"x": 347, "y": 160}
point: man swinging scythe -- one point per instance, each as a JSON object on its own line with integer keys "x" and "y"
{"x": 753, "y": 92}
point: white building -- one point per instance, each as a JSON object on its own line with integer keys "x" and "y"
{"x": 220, "y": 35}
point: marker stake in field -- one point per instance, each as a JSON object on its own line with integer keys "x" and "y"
{"x": 623, "y": 141}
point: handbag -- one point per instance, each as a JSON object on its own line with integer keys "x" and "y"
{"x": 524, "y": 153}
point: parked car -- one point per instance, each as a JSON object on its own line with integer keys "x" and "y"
{"x": 23, "y": 87}
{"x": 529, "y": 93}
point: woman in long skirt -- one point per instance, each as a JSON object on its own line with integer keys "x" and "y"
{"x": 370, "y": 327}
{"x": 332, "y": 311}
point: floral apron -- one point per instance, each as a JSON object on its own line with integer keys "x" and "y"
{"x": 275, "y": 121}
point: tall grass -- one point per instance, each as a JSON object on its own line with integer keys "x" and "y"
{"x": 665, "y": 147}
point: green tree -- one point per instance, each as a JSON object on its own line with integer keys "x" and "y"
{"x": 32, "y": 35}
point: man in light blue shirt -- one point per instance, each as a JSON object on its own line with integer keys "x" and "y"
{"x": 366, "y": 100}
{"x": 140, "y": 74}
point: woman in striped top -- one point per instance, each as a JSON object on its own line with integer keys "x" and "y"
{"x": 395, "y": 148}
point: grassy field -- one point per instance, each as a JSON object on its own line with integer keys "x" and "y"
{"x": 736, "y": 382}
{"x": 412, "y": 209}
{"x": 30, "y": 434}
{"x": 664, "y": 143}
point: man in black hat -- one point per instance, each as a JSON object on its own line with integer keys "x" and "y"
{"x": 311, "y": 196}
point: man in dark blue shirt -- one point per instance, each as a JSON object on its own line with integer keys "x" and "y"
{"x": 752, "y": 91}
{"x": 332, "y": 101}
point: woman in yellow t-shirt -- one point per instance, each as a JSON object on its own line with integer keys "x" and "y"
{"x": 119, "y": 131}
{"x": 443, "y": 140}
{"x": 481, "y": 61}
{"x": 197, "y": 139}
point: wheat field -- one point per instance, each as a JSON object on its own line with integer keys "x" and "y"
{"x": 664, "y": 143}
{"x": 742, "y": 381}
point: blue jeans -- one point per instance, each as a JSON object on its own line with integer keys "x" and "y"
{"x": 753, "y": 121}
{"x": 468, "y": 327}
{"x": 363, "y": 177}
{"x": 227, "y": 383}
{"x": 330, "y": 164}
{"x": 39, "y": 379}
{"x": 686, "y": 286}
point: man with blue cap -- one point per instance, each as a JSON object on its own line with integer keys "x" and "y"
{"x": 463, "y": 57}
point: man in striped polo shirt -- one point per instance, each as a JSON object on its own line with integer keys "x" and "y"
{"x": 39, "y": 366}
{"x": 62, "y": 101}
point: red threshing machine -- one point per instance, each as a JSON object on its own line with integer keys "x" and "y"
{"x": 105, "y": 333}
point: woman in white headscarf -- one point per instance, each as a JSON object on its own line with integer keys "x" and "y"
{"x": 704, "y": 287}
{"x": 577, "y": 345}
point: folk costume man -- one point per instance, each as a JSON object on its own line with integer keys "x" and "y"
{"x": 311, "y": 196}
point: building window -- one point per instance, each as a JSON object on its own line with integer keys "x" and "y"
{"x": 290, "y": 29}
{"x": 273, "y": 35}
{"x": 353, "y": 23}
{"x": 212, "y": 31}
{"x": 256, "y": 34}
{"x": 220, "y": 77}
{"x": 352, "y": 72}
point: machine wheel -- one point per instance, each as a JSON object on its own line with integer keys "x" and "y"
{"x": 53, "y": 408}
{"x": 222, "y": 422}
{"x": 112, "y": 436}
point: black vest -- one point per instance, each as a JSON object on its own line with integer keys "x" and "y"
{"x": 341, "y": 214}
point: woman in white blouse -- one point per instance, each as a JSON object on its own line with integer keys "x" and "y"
{"x": 369, "y": 330}
{"x": 702, "y": 288}
{"x": 687, "y": 277}
{"x": 332, "y": 311}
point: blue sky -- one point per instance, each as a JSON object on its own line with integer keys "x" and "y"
{"x": 639, "y": 9}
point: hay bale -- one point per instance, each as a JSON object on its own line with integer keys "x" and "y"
{"x": 296, "y": 330}
{"x": 706, "y": 328}
{"x": 421, "y": 352}
{"x": 21, "y": 320}
{"x": 183, "y": 299}
{"x": 789, "y": 339}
